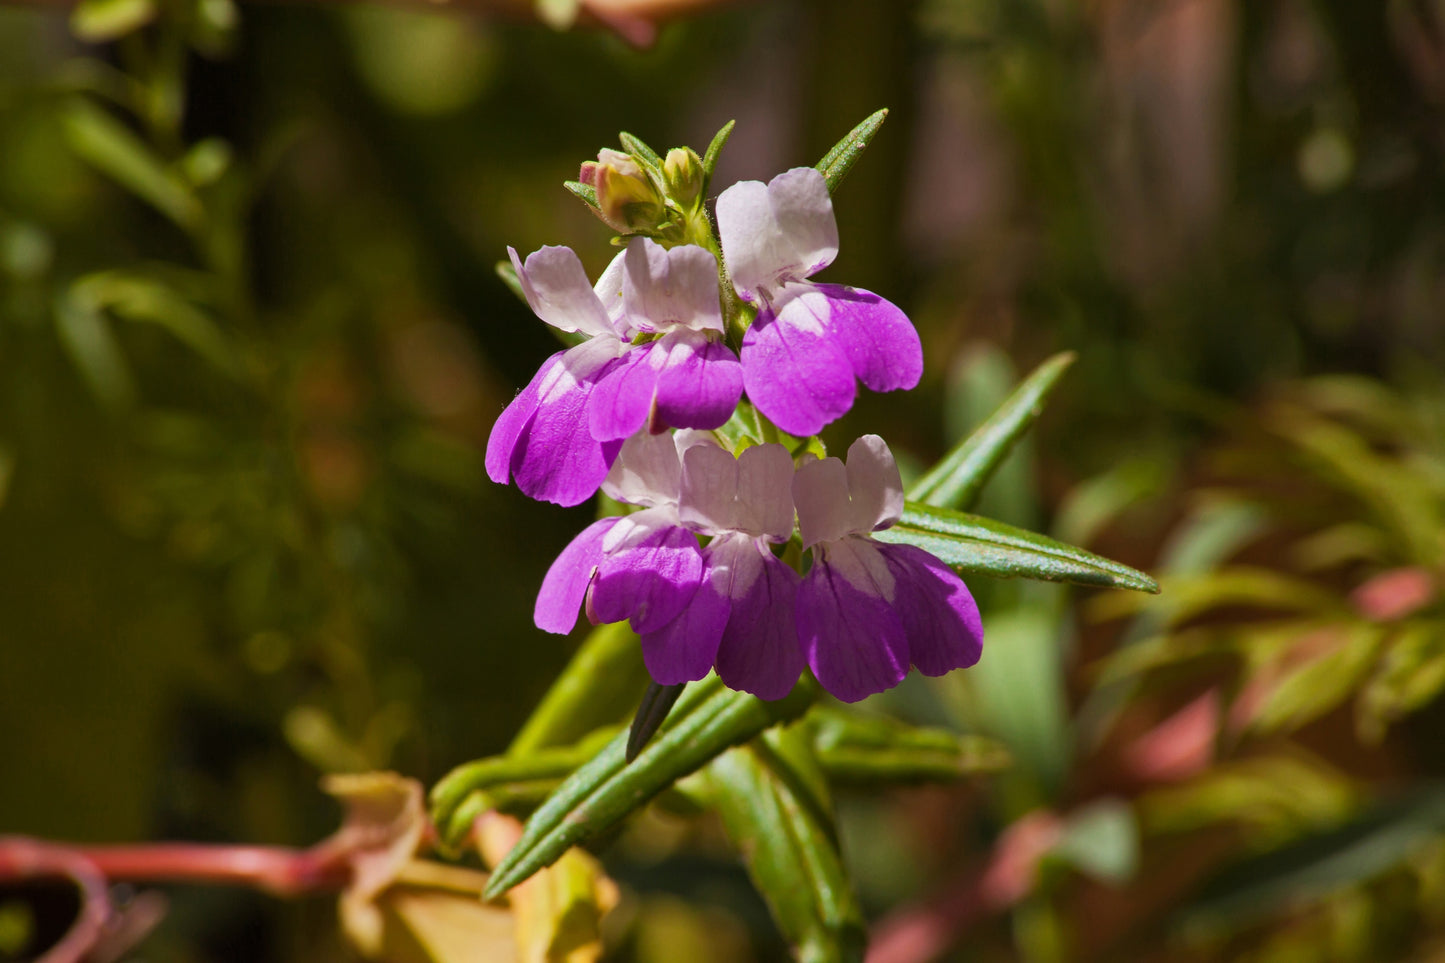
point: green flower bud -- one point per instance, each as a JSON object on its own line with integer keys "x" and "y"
{"x": 682, "y": 172}
{"x": 626, "y": 199}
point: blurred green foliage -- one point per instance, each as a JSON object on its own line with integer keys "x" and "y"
{"x": 251, "y": 347}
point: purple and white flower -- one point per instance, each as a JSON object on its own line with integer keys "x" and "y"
{"x": 728, "y": 605}
{"x": 866, "y": 610}
{"x": 654, "y": 356}
{"x": 810, "y": 341}
{"x": 741, "y": 620}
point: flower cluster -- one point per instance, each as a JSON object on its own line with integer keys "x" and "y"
{"x": 743, "y": 554}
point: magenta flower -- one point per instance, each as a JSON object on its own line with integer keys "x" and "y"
{"x": 560, "y": 435}
{"x": 866, "y": 610}
{"x": 810, "y": 341}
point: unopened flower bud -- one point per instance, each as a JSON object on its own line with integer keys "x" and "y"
{"x": 626, "y": 198}
{"x": 682, "y": 171}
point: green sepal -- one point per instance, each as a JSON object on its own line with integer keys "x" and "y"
{"x": 587, "y": 192}
{"x": 657, "y": 702}
{"x": 708, "y": 719}
{"x": 773, "y": 800}
{"x": 977, "y": 545}
{"x": 837, "y": 162}
{"x": 709, "y": 158}
{"x": 959, "y": 478}
{"x": 101, "y": 21}
{"x": 650, "y": 160}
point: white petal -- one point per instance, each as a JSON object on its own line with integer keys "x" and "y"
{"x": 647, "y": 471}
{"x": 784, "y": 231}
{"x": 750, "y": 494}
{"x": 609, "y": 292}
{"x": 557, "y": 288}
{"x": 874, "y": 485}
{"x": 820, "y": 492}
{"x": 663, "y": 289}
{"x": 834, "y": 501}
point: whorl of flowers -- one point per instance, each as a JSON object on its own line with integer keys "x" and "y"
{"x": 745, "y": 552}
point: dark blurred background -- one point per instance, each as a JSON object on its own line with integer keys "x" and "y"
{"x": 245, "y": 536}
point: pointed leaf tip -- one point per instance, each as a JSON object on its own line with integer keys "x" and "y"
{"x": 836, "y": 164}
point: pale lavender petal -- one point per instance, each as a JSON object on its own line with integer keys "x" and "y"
{"x": 751, "y": 493}
{"x": 880, "y": 341}
{"x": 609, "y": 292}
{"x": 684, "y": 649}
{"x": 663, "y": 289}
{"x": 874, "y": 485}
{"x": 554, "y": 455}
{"x": 938, "y": 612}
{"x": 793, "y": 369}
{"x": 647, "y": 472}
{"x": 622, "y": 401}
{"x": 784, "y": 231}
{"x": 557, "y": 289}
{"x": 565, "y": 585}
{"x": 759, "y": 652}
{"x": 699, "y": 380}
{"x": 648, "y": 574}
{"x": 849, "y": 631}
{"x": 820, "y": 492}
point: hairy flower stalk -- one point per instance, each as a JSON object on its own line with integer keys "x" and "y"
{"x": 679, "y": 329}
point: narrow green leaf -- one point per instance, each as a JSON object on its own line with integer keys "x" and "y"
{"x": 587, "y": 192}
{"x": 855, "y": 747}
{"x": 1102, "y": 840}
{"x": 1316, "y": 865}
{"x": 657, "y": 702}
{"x": 957, "y": 481}
{"x": 598, "y": 687}
{"x": 707, "y": 720}
{"x": 101, "y": 21}
{"x": 773, "y": 802}
{"x": 86, "y": 335}
{"x": 836, "y": 164}
{"x": 644, "y": 154}
{"x": 112, "y": 148}
{"x": 973, "y": 544}
{"x": 146, "y": 300}
{"x": 709, "y": 159}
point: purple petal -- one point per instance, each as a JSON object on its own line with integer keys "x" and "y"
{"x": 942, "y": 621}
{"x": 699, "y": 380}
{"x": 515, "y": 419}
{"x": 553, "y": 455}
{"x": 793, "y": 369}
{"x": 684, "y": 649}
{"x": 759, "y": 652}
{"x": 622, "y": 401}
{"x": 848, "y": 629}
{"x": 874, "y": 485}
{"x": 649, "y": 572}
{"x": 879, "y": 340}
{"x": 565, "y": 585}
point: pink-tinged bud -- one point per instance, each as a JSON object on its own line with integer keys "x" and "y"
{"x": 588, "y": 174}
{"x": 626, "y": 198}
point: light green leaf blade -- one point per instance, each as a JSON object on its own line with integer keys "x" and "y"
{"x": 709, "y": 159}
{"x": 101, "y": 21}
{"x": 774, "y": 805}
{"x": 708, "y": 720}
{"x": 112, "y": 148}
{"x": 977, "y": 545}
{"x": 852, "y": 747}
{"x": 600, "y": 686}
{"x": 957, "y": 481}
{"x": 836, "y": 164}
{"x": 1101, "y": 840}
{"x": 587, "y": 192}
